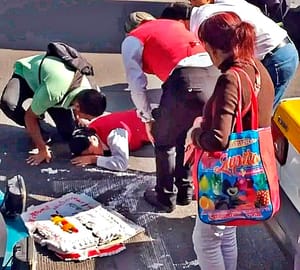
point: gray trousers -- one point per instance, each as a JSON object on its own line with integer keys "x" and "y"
{"x": 184, "y": 96}
{"x": 215, "y": 246}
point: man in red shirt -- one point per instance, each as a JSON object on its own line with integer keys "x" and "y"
{"x": 108, "y": 139}
{"x": 165, "y": 48}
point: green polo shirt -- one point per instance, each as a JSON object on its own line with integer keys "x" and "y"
{"x": 55, "y": 81}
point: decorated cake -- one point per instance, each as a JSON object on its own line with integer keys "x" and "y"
{"x": 77, "y": 227}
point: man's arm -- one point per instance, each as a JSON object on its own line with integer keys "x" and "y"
{"x": 33, "y": 129}
{"x": 119, "y": 147}
{"x": 132, "y": 51}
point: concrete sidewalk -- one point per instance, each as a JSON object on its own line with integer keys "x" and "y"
{"x": 167, "y": 242}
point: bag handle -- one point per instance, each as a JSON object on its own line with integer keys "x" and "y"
{"x": 254, "y": 93}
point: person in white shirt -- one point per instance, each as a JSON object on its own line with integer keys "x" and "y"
{"x": 273, "y": 45}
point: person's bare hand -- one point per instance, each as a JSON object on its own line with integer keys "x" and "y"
{"x": 148, "y": 126}
{"x": 196, "y": 124}
{"x": 82, "y": 161}
{"x": 198, "y": 121}
{"x": 38, "y": 158}
{"x": 82, "y": 122}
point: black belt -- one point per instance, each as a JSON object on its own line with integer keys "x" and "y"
{"x": 284, "y": 42}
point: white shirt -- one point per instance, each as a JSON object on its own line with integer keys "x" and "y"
{"x": 268, "y": 33}
{"x": 118, "y": 144}
{"x": 132, "y": 53}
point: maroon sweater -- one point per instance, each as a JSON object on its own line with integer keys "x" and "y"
{"x": 217, "y": 126}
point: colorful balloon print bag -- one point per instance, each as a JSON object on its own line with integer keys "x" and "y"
{"x": 239, "y": 186}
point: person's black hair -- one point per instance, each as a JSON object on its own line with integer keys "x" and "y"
{"x": 91, "y": 101}
{"x": 80, "y": 140}
{"x": 177, "y": 11}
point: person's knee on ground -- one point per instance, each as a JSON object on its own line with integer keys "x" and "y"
{"x": 15, "y": 93}
{"x": 10, "y": 107}
{"x": 12, "y": 112}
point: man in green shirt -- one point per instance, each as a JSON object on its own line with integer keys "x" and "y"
{"x": 48, "y": 86}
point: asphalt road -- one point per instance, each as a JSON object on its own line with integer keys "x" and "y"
{"x": 167, "y": 242}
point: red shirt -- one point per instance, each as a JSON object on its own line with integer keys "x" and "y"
{"x": 128, "y": 120}
{"x": 164, "y": 49}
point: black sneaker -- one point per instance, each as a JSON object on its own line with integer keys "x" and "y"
{"x": 183, "y": 202}
{"x": 150, "y": 196}
{"x": 185, "y": 197}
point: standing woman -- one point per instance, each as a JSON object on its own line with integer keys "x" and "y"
{"x": 230, "y": 43}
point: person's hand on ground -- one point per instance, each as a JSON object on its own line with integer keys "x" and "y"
{"x": 41, "y": 156}
{"x": 84, "y": 160}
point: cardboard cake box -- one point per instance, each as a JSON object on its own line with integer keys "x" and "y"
{"x": 77, "y": 227}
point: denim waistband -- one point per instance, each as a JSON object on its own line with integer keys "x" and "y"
{"x": 284, "y": 42}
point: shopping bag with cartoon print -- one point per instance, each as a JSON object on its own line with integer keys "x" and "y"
{"x": 239, "y": 186}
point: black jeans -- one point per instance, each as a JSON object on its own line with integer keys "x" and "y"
{"x": 184, "y": 95}
{"x": 17, "y": 91}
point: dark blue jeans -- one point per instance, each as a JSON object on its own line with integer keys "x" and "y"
{"x": 282, "y": 65}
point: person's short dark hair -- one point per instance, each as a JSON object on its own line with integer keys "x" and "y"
{"x": 91, "y": 101}
{"x": 134, "y": 19}
{"x": 80, "y": 140}
{"x": 177, "y": 11}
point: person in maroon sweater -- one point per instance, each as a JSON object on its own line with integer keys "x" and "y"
{"x": 107, "y": 140}
{"x": 215, "y": 246}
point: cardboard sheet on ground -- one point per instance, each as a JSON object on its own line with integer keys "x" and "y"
{"x": 77, "y": 227}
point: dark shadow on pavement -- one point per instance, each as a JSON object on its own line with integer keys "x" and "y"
{"x": 146, "y": 151}
{"x": 162, "y": 233}
{"x": 118, "y": 97}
